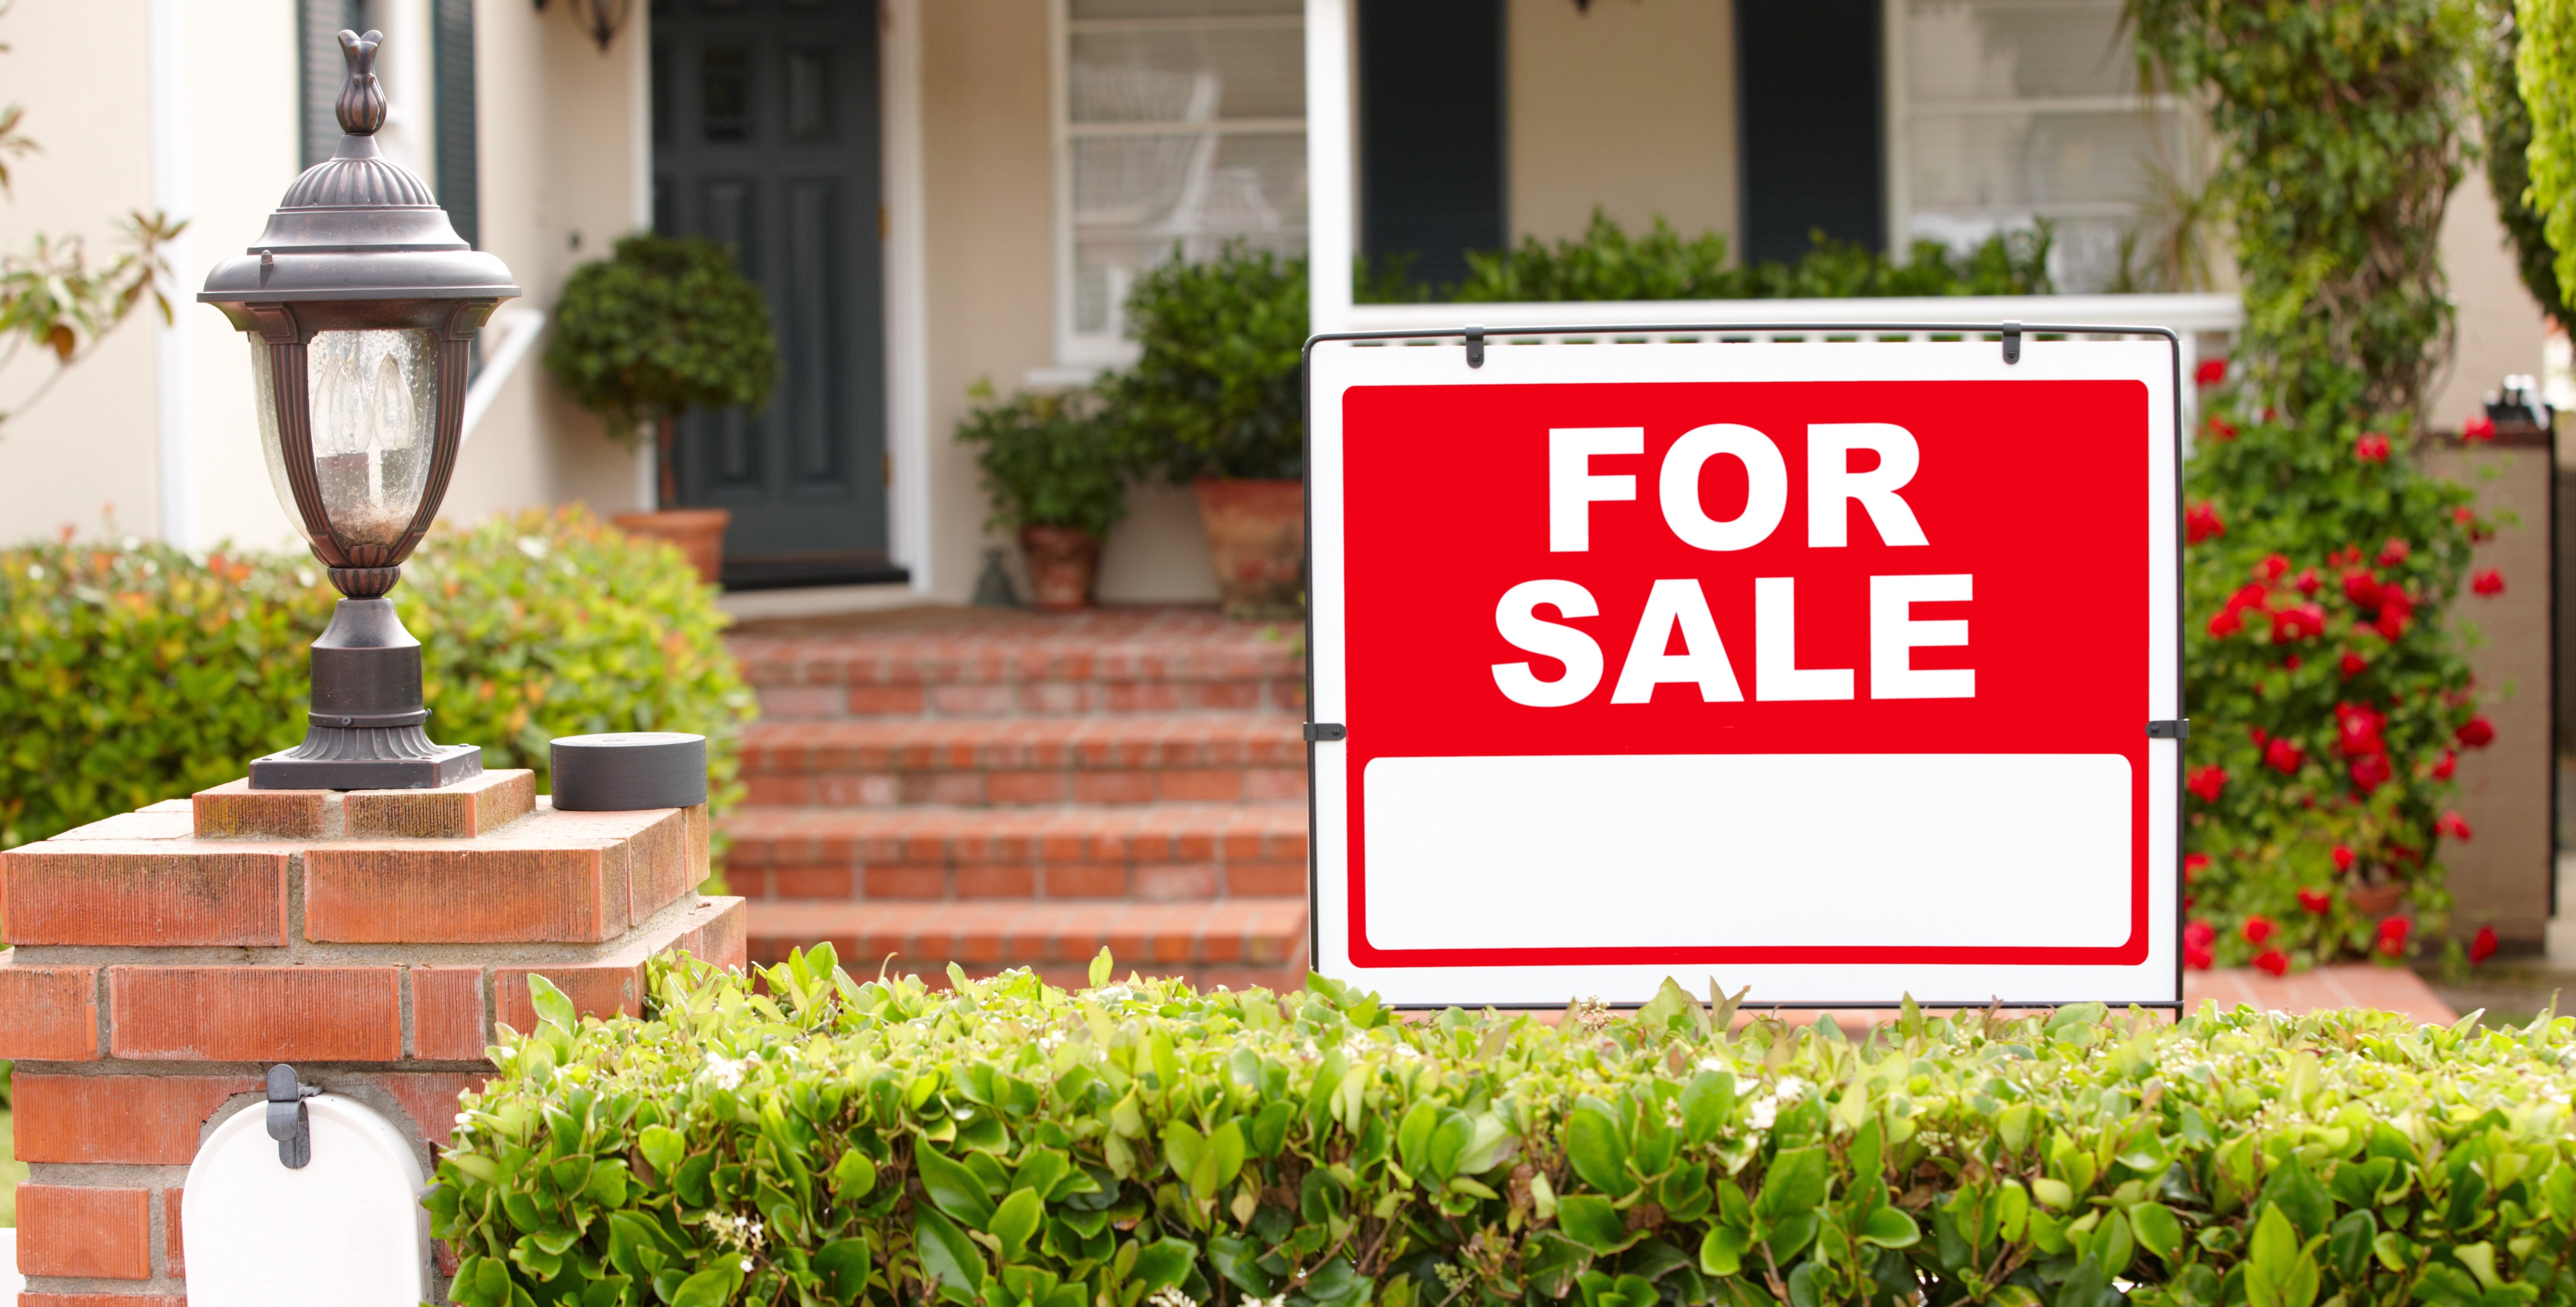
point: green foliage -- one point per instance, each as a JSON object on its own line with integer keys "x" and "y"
{"x": 132, "y": 673}
{"x": 1606, "y": 263}
{"x": 814, "y": 1139}
{"x": 2507, "y": 122}
{"x": 2544, "y": 61}
{"x": 659, "y": 328}
{"x": 1215, "y": 391}
{"x": 550, "y": 622}
{"x": 2327, "y": 684}
{"x": 1048, "y": 459}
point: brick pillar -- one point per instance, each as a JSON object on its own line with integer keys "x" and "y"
{"x": 162, "y": 960}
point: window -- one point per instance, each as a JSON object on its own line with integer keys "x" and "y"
{"x": 2008, "y": 111}
{"x": 1180, "y": 124}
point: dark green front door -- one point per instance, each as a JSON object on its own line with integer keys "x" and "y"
{"x": 765, "y": 140}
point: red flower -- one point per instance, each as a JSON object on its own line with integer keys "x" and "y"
{"x": 2258, "y": 929}
{"x": 2197, "y": 936}
{"x": 2370, "y": 771}
{"x": 2221, "y": 430}
{"x": 2272, "y": 962}
{"x": 2442, "y": 769}
{"x": 2394, "y": 552}
{"x": 2224, "y": 623}
{"x": 2392, "y": 935}
{"x": 2210, "y": 372}
{"x": 2208, "y": 782}
{"x": 2371, "y": 448}
{"x": 2483, "y": 946}
{"x": 2257, "y": 734}
{"x": 2315, "y": 901}
{"x": 2394, "y": 611}
{"x": 2353, "y": 665}
{"x": 2342, "y": 858}
{"x": 2476, "y": 732}
{"x": 2478, "y": 427}
{"x": 2272, "y": 568}
{"x": 2453, "y": 825}
{"x": 2488, "y": 582}
{"x": 2285, "y": 757}
{"x": 2192, "y": 864}
{"x": 2307, "y": 581}
{"x": 2357, "y": 730}
{"x": 2252, "y": 595}
{"x": 2362, "y": 588}
{"x": 2200, "y": 522}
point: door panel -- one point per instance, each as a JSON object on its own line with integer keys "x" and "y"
{"x": 766, "y": 141}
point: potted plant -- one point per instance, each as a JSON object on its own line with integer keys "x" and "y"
{"x": 657, "y": 329}
{"x": 1214, "y": 397}
{"x": 1053, "y": 469}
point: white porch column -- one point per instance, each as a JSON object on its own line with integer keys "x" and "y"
{"x": 173, "y": 379}
{"x": 1332, "y": 164}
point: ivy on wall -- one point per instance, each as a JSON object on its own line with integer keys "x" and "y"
{"x": 2328, "y": 688}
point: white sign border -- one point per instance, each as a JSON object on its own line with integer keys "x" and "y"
{"x": 1336, "y": 362}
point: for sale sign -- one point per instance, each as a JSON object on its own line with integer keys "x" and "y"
{"x": 1826, "y": 668}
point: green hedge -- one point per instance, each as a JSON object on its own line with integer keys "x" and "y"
{"x": 815, "y": 1139}
{"x": 133, "y": 672}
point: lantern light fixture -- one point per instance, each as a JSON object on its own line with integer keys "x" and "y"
{"x": 361, "y": 302}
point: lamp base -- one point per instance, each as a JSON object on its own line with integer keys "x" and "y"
{"x": 444, "y": 765}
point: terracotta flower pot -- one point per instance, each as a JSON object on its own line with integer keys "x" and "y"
{"x": 2375, "y": 900}
{"x": 1256, "y": 534}
{"x": 698, "y": 532}
{"x": 1063, "y": 562}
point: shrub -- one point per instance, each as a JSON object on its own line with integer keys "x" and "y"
{"x": 2328, "y": 689}
{"x": 1215, "y": 391}
{"x": 1011, "y": 1143}
{"x": 659, "y": 328}
{"x": 1606, "y": 263}
{"x": 134, "y": 672}
{"x": 1048, "y": 459}
{"x": 2506, "y": 123}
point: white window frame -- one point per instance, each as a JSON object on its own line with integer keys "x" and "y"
{"x": 1080, "y": 355}
{"x": 1898, "y": 112}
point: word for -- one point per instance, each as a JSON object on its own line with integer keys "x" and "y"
{"x": 1681, "y": 605}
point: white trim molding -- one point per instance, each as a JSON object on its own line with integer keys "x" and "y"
{"x": 511, "y": 333}
{"x": 1332, "y": 164}
{"x": 907, "y": 301}
{"x": 173, "y": 357}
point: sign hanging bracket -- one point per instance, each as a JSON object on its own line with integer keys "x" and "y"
{"x": 2176, "y": 729}
{"x": 1475, "y": 347}
{"x": 2012, "y": 342}
{"x": 1326, "y": 732}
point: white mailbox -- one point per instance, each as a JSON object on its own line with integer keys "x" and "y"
{"x": 345, "y": 1228}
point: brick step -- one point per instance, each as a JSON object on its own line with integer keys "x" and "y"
{"x": 1238, "y": 943}
{"x": 1151, "y": 852}
{"x": 1019, "y": 762}
{"x": 968, "y": 662}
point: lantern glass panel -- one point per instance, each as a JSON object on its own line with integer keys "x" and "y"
{"x": 373, "y": 397}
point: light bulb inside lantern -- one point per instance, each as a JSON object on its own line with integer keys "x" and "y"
{"x": 372, "y": 398}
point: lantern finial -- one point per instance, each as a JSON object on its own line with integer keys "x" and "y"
{"x": 362, "y": 101}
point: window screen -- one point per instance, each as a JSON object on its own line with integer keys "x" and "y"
{"x": 2015, "y": 110}
{"x": 1183, "y": 126}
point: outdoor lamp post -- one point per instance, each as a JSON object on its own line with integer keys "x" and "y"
{"x": 360, "y": 302}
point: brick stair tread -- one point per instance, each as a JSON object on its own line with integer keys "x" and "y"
{"x": 1243, "y": 931}
{"x": 966, "y": 647}
{"x": 1237, "y": 829}
{"x": 941, "y": 744}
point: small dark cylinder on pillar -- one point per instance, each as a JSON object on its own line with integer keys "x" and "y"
{"x": 628, "y": 771}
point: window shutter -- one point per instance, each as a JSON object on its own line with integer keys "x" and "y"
{"x": 317, "y": 39}
{"x": 453, "y": 61}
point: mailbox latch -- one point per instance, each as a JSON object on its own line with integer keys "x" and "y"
{"x": 290, "y": 1123}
